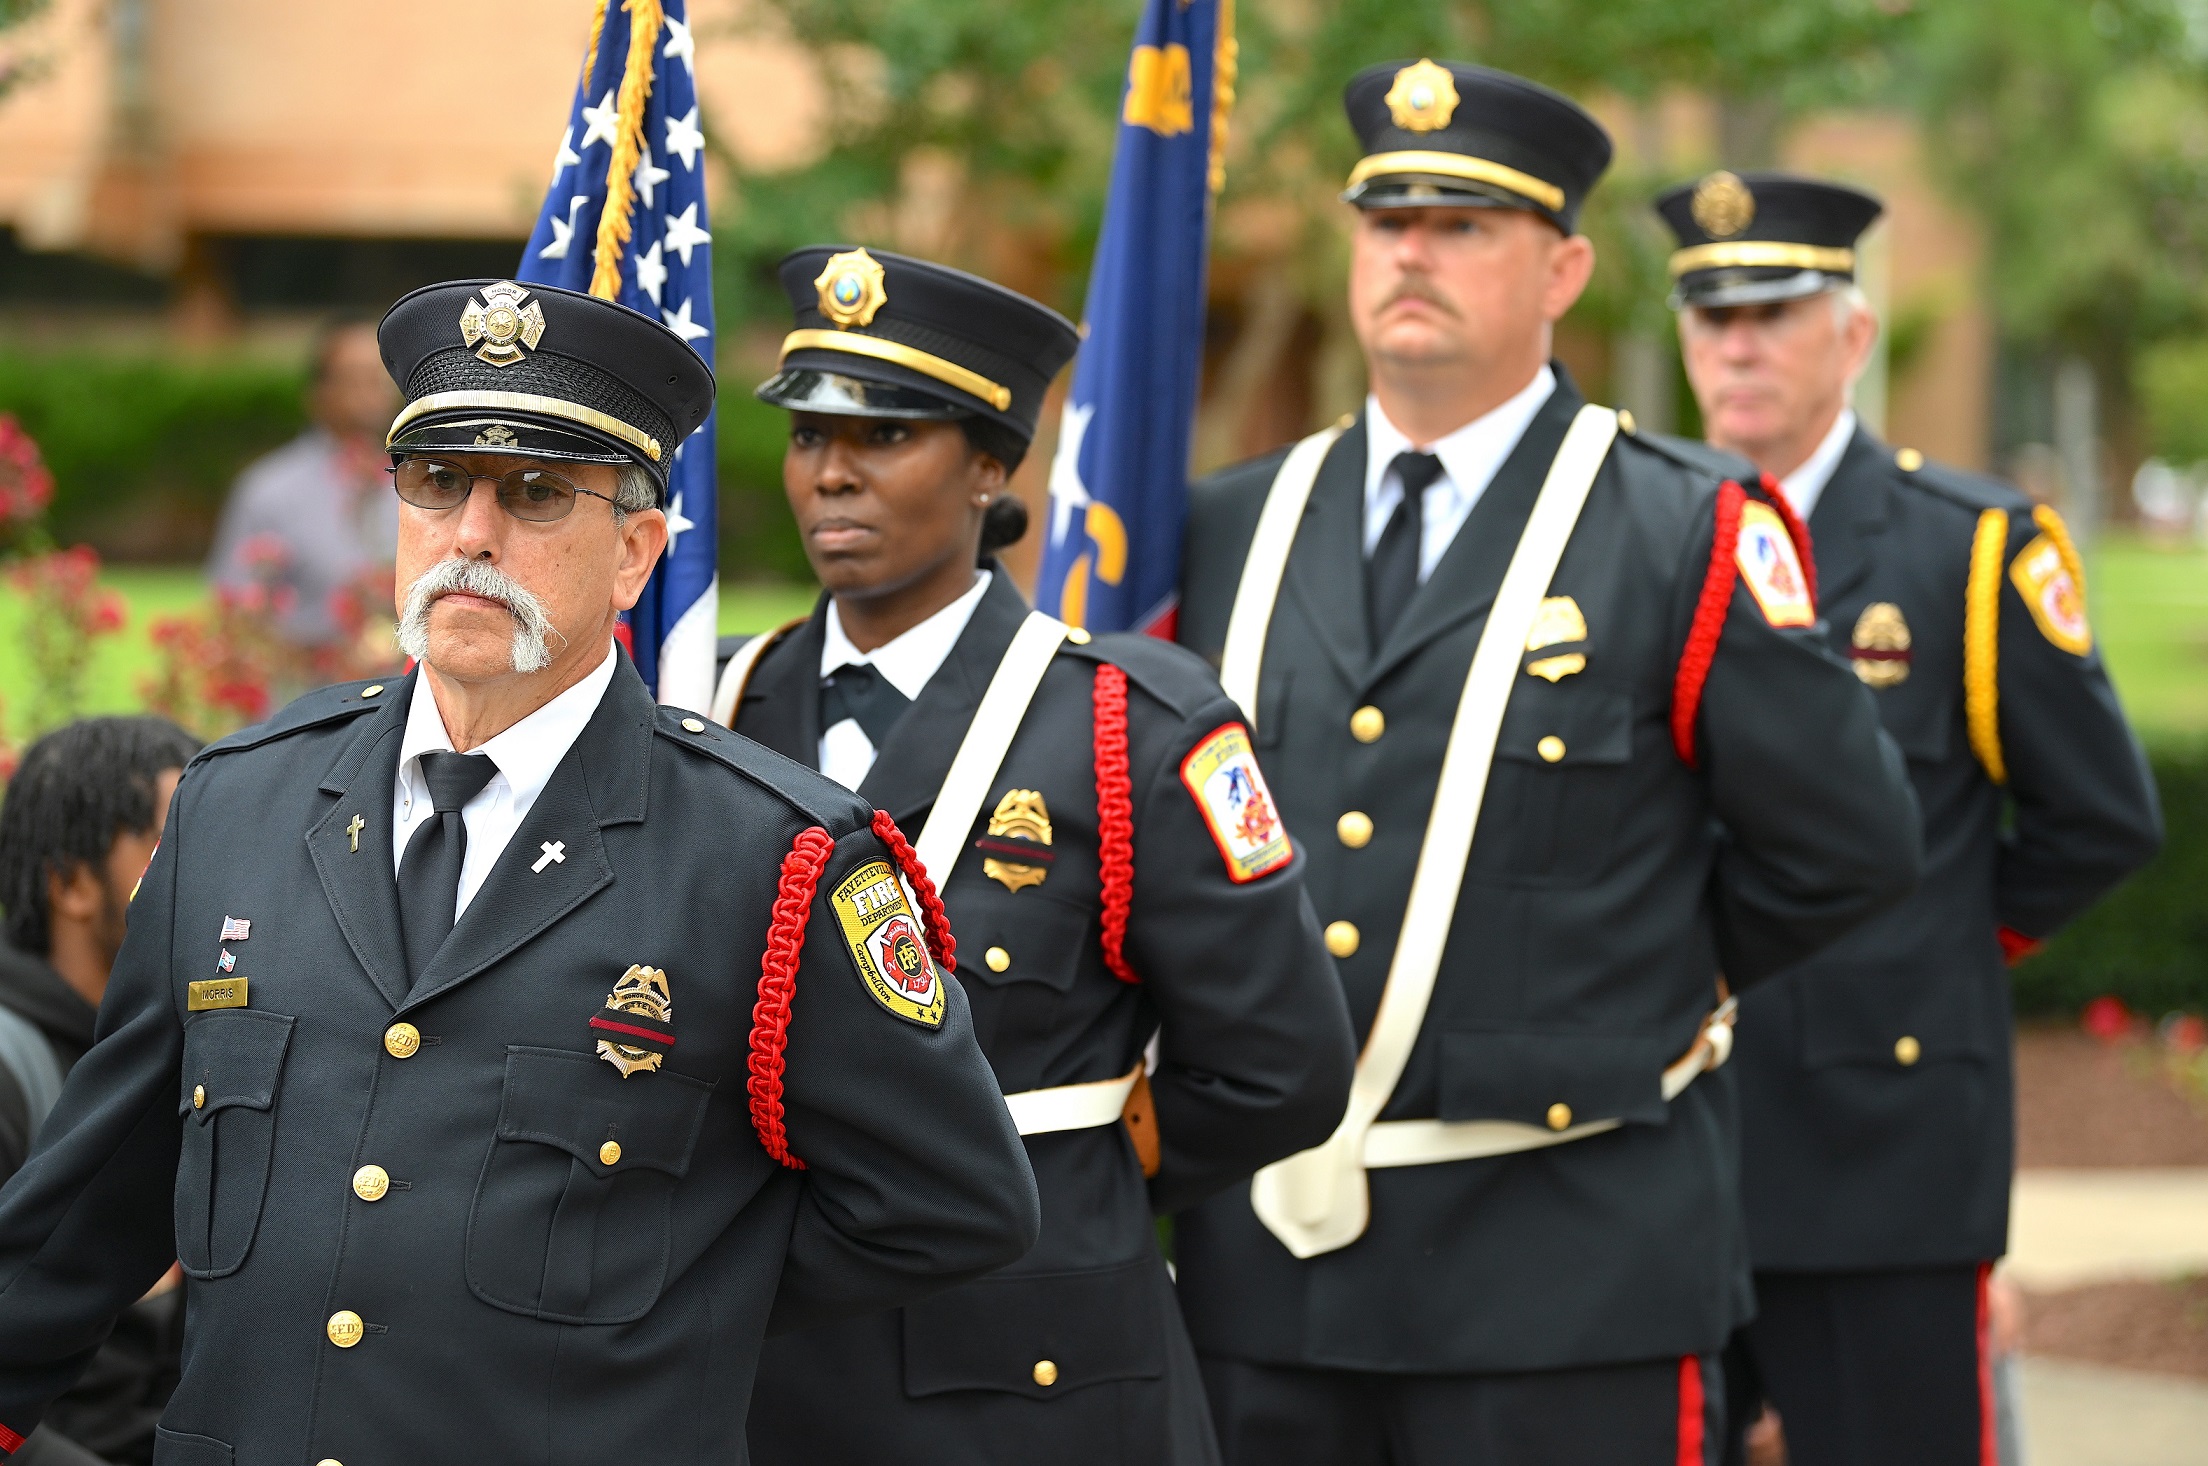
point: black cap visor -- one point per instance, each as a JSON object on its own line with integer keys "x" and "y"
{"x": 1716, "y": 289}
{"x": 853, "y": 393}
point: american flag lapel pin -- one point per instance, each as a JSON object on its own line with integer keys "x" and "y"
{"x": 236, "y": 929}
{"x": 227, "y": 962}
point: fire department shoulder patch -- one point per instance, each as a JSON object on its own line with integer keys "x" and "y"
{"x": 1222, "y": 773}
{"x": 1772, "y": 570}
{"x": 2052, "y": 594}
{"x": 886, "y": 943}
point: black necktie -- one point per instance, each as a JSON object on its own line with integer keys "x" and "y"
{"x": 429, "y": 876}
{"x": 864, "y": 695}
{"x": 1391, "y": 575}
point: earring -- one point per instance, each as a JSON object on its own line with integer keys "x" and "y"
{"x": 982, "y": 500}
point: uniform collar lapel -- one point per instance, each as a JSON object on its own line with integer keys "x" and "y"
{"x": 1470, "y": 571}
{"x": 359, "y": 883}
{"x": 781, "y": 706}
{"x": 908, "y": 772}
{"x": 1326, "y": 567}
{"x": 1850, "y": 512}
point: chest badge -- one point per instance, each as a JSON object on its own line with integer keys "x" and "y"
{"x": 1016, "y": 852}
{"x": 1556, "y": 622}
{"x": 636, "y": 1028}
{"x": 1879, "y": 649}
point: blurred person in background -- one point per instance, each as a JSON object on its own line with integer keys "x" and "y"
{"x": 310, "y": 520}
{"x": 1877, "y": 1079}
{"x": 79, "y": 823}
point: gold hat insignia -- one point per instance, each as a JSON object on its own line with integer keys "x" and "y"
{"x": 497, "y": 435}
{"x": 1020, "y": 813}
{"x": 1423, "y": 98}
{"x": 1723, "y": 205}
{"x": 1880, "y": 645}
{"x": 641, "y": 991}
{"x": 1558, "y": 620}
{"x": 502, "y": 323}
{"x": 850, "y": 287}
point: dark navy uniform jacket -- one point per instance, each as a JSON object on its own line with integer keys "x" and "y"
{"x": 1610, "y": 884}
{"x": 567, "y": 1265}
{"x": 1253, "y": 1064}
{"x": 1877, "y": 1079}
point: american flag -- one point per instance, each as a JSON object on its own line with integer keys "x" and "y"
{"x": 236, "y": 929}
{"x": 633, "y": 132}
{"x": 227, "y": 961}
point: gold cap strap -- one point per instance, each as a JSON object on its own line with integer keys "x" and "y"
{"x": 974, "y": 384}
{"x": 1753, "y": 252}
{"x": 574, "y": 412}
{"x": 1982, "y": 643}
{"x": 1460, "y": 165}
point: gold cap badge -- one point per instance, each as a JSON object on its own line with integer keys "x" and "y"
{"x": 850, "y": 287}
{"x": 1722, "y": 205}
{"x": 1022, "y": 814}
{"x": 502, "y": 324}
{"x": 640, "y": 994}
{"x": 1879, "y": 649}
{"x": 1423, "y": 98}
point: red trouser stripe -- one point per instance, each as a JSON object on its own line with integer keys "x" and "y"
{"x": 1691, "y": 1408}
{"x": 1989, "y": 1444}
{"x": 10, "y": 1441}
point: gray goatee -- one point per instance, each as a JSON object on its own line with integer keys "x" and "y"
{"x": 533, "y": 628}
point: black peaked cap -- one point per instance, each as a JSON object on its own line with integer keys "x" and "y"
{"x": 1452, "y": 133}
{"x": 884, "y": 335}
{"x": 1746, "y": 238}
{"x": 497, "y": 366}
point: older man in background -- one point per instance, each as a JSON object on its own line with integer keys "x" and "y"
{"x": 314, "y": 518}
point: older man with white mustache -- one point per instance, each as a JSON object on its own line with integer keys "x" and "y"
{"x": 508, "y": 1050}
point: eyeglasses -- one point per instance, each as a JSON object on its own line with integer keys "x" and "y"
{"x": 533, "y": 494}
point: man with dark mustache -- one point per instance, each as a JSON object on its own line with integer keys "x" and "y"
{"x": 1546, "y": 703}
{"x": 509, "y": 1052}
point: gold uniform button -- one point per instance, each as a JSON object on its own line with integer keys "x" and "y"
{"x": 401, "y": 1040}
{"x": 1077, "y": 636}
{"x": 1354, "y": 829}
{"x": 1046, "y": 1373}
{"x": 1342, "y": 938}
{"x": 692, "y": 725}
{"x": 329, "y": 1461}
{"x": 345, "y": 1328}
{"x": 1908, "y": 460}
{"x": 373, "y": 689}
{"x": 199, "y": 1096}
{"x": 609, "y": 1154}
{"x": 1626, "y": 424}
{"x": 1560, "y": 1116}
{"x": 1367, "y": 724}
{"x": 1907, "y": 1050}
{"x": 371, "y": 1183}
{"x": 997, "y": 958}
{"x": 1550, "y": 748}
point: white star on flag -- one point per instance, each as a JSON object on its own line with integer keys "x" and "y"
{"x": 566, "y": 155}
{"x": 680, "y": 44}
{"x": 676, "y": 523}
{"x": 679, "y": 322}
{"x": 601, "y": 121}
{"x": 562, "y": 233}
{"x": 649, "y": 176}
{"x": 1067, "y": 492}
{"x": 651, "y": 273}
{"x": 683, "y": 233}
{"x": 685, "y": 140}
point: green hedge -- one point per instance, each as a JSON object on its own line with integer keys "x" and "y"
{"x": 2147, "y": 943}
{"x": 144, "y": 450}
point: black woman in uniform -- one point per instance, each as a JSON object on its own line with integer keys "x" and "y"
{"x": 1112, "y": 864}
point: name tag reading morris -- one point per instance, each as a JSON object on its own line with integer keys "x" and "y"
{"x": 219, "y": 992}
{"x": 884, "y": 936}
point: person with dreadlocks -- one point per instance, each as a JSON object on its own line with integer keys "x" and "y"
{"x": 1094, "y": 814}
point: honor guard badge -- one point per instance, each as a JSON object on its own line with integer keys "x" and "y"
{"x": 636, "y": 1028}
{"x": 885, "y": 940}
{"x": 1723, "y": 206}
{"x": 502, "y": 324}
{"x": 1879, "y": 650}
{"x": 2043, "y": 577}
{"x": 1016, "y": 851}
{"x": 1557, "y": 622}
{"x": 1423, "y": 98}
{"x": 1768, "y": 563}
{"x": 851, "y": 288}
{"x": 1222, "y": 773}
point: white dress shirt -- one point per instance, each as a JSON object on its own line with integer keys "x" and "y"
{"x": 905, "y": 662}
{"x": 1803, "y": 486}
{"x": 1469, "y": 458}
{"x": 526, "y": 755}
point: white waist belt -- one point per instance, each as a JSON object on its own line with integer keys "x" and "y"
{"x": 1072, "y": 1106}
{"x": 1430, "y": 1142}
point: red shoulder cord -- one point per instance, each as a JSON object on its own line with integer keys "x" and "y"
{"x": 1796, "y": 530}
{"x": 1115, "y": 817}
{"x": 1709, "y": 620}
{"x": 770, "y": 1016}
{"x": 942, "y": 946}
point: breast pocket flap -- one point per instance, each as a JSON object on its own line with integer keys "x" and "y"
{"x": 580, "y": 1104}
{"x": 232, "y": 1059}
{"x": 1566, "y": 725}
{"x": 1041, "y": 1336}
{"x": 1527, "y": 1074}
{"x": 1020, "y": 937}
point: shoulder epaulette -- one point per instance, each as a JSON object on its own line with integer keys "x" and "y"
{"x": 1172, "y": 674}
{"x": 1971, "y": 491}
{"x": 1698, "y": 458}
{"x": 314, "y": 709}
{"x": 1251, "y": 474}
{"x": 815, "y": 796}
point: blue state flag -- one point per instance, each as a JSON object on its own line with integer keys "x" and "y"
{"x": 1119, "y": 483}
{"x": 633, "y": 139}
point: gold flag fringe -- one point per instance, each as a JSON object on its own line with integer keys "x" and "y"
{"x": 1226, "y": 56}
{"x": 645, "y": 17}
{"x": 590, "y": 52}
